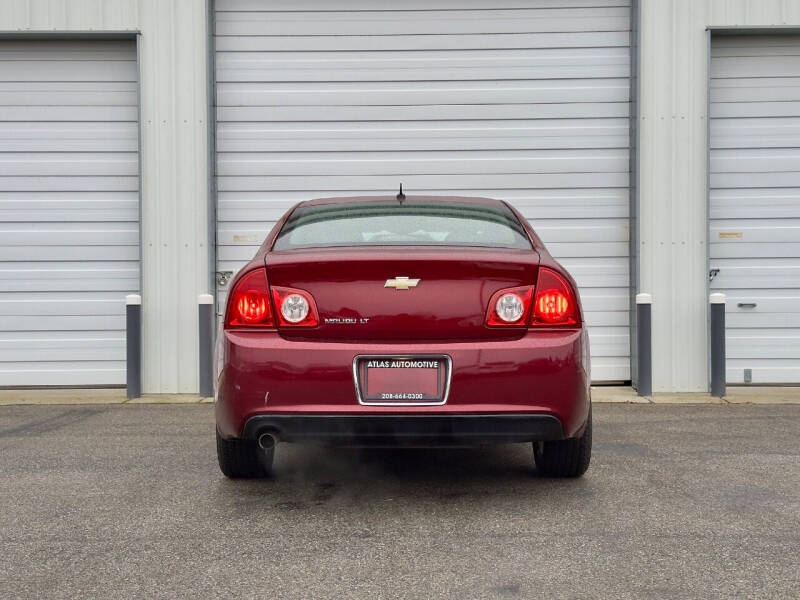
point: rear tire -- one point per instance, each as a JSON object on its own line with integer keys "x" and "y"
{"x": 241, "y": 459}
{"x": 565, "y": 458}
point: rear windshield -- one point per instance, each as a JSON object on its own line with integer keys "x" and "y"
{"x": 406, "y": 224}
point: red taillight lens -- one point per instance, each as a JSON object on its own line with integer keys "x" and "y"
{"x": 555, "y": 302}
{"x": 509, "y": 307}
{"x": 248, "y": 304}
{"x": 294, "y": 308}
{"x": 552, "y": 305}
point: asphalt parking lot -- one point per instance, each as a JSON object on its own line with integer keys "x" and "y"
{"x": 127, "y": 501}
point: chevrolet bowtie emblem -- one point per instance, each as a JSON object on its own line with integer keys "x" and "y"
{"x": 401, "y": 283}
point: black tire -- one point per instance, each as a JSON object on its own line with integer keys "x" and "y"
{"x": 565, "y": 458}
{"x": 239, "y": 459}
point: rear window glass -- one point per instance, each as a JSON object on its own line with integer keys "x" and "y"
{"x": 406, "y": 224}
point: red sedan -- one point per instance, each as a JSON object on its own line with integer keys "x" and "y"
{"x": 394, "y": 321}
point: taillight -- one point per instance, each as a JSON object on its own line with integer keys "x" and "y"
{"x": 510, "y": 307}
{"x": 248, "y": 303}
{"x": 294, "y": 308}
{"x": 555, "y": 303}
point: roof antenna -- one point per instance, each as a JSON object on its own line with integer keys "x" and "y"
{"x": 401, "y": 196}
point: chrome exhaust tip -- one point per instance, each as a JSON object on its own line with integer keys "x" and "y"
{"x": 267, "y": 441}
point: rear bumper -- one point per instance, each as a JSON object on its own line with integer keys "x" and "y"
{"x": 543, "y": 373}
{"x": 398, "y": 430}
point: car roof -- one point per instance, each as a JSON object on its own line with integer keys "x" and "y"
{"x": 477, "y": 200}
{"x": 418, "y": 199}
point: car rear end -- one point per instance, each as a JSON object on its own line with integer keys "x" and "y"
{"x": 390, "y": 330}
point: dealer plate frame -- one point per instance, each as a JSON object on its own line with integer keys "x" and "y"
{"x": 448, "y": 367}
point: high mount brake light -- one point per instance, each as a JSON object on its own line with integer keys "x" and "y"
{"x": 248, "y": 304}
{"x": 555, "y": 302}
{"x": 510, "y": 307}
{"x": 295, "y": 308}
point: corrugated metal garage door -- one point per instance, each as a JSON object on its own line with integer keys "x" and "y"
{"x": 755, "y": 202}
{"x": 69, "y": 209}
{"x": 524, "y": 101}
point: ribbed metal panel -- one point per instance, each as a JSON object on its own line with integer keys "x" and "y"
{"x": 673, "y": 172}
{"x": 175, "y": 245}
{"x": 522, "y": 101}
{"x": 69, "y": 15}
{"x": 69, "y": 209}
{"x": 755, "y": 202}
{"x": 174, "y": 230}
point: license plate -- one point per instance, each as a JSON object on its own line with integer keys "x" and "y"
{"x": 402, "y": 380}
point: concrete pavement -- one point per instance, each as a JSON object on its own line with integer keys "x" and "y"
{"x": 111, "y": 501}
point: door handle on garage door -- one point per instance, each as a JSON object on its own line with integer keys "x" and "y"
{"x": 746, "y": 304}
{"x": 223, "y": 277}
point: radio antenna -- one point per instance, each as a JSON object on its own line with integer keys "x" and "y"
{"x": 400, "y": 195}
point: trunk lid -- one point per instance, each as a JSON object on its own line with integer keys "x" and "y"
{"x": 448, "y": 303}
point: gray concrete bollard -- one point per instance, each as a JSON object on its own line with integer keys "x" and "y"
{"x": 644, "y": 363}
{"x": 717, "y": 344}
{"x": 133, "y": 345}
{"x": 205, "y": 306}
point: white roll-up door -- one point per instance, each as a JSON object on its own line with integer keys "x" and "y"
{"x": 755, "y": 203}
{"x": 523, "y": 101}
{"x": 69, "y": 209}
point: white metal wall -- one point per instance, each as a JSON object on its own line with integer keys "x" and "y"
{"x": 525, "y": 101}
{"x": 672, "y": 173}
{"x": 174, "y": 106}
{"x": 755, "y": 202}
{"x": 69, "y": 209}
